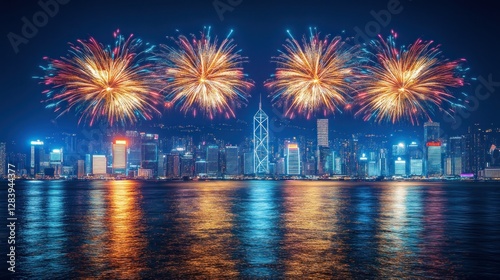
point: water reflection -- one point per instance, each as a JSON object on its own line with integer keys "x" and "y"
{"x": 434, "y": 235}
{"x": 398, "y": 231}
{"x": 91, "y": 254}
{"x": 209, "y": 238}
{"x": 362, "y": 238}
{"x": 257, "y": 229}
{"x": 313, "y": 241}
{"x": 259, "y": 232}
{"x": 43, "y": 235}
{"x": 126, "y": 244}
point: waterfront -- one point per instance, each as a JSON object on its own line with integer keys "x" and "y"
{"x": 256, "y": 229}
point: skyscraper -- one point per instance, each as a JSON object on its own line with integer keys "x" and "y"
{"x": 431, "y": 134}
{"x": 416, "y": 166}
{"x": 99, "y": 164}
{"x": 200, "y": 167}
{"x": 88, "y": 164}
{"x": 56, "y": 160}
{"x": 37, "y": 156}
{"x": 187, "y": 165}
{"x": 149, "y": 152}
{"x": 81, "y": 168}
{"x": 431, "y": 131}
{"x": 173, "y": 165}
{"x": 476, "y": 149}
{"x": 400, "y": 167}
{"x": 292, "y": 159}
{"x": 433, "y": 159}
{"x": 322, "y": 132}
{"x": 324, "y": 159}
{"x": 454, "y": 161}
{"x": 261, "y": 142}
{"x": 120, "y": 157}
{"x": 248, "y": 163}
{"x": 212, "y": 161}
{"x": 232, "y": 162}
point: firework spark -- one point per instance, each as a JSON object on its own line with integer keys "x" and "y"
{"x": 314, "y": 76}
{"x": 117, "y": 84}
{"x": 406, "y": 83}
{"x": 202, "y": 75}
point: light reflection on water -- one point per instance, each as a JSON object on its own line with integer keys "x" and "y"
{"x": 313, "y": 242}
{"x": 256, "y": 229}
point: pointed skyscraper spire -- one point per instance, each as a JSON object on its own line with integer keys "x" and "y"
{"x": 260, "y": 102}
{"x": 261, "y": 141}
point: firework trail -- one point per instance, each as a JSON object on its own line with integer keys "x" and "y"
{"x": 407, "y": 83}
{"x": 204, "y": 76}
{"x": 112, "y": 83}
{"x": 314, "y": 76}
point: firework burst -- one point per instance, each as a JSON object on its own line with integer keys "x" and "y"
{"x": 117, "y": 84}
{"x": 315, "y": 76}
{"x": 407, "y": 83}
{"x": 203, "y": 76}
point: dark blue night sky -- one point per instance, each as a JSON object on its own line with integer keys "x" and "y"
{"x": 464, "y": 30}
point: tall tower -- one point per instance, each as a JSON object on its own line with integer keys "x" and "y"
{"x": 322, "y": 129}
{"x": 120, "y": 157}
{"x": 37, "y": 155}
{"x": 261, "y": 141}
{"x": 322, "y": 150}
{"x": 292, "y": 159}
{"x": 431, "y": 134}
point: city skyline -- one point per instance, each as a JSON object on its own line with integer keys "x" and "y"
{"x": 322, "y": 153}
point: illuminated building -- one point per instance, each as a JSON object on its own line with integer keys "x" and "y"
{"x": 280, "y": 166}
{"x": 37, "y": 156}
{"x": 133, "y": 150}
{"x": 187, "y": 165}
{"x": 149, "y": 152}
{"x": 88, "y": 164}
{"x": 200, "y": 167}
{"x": 324, "y": 161}
{"x": 434, "y": 156}
{"x": 476, "y": 149}
{"x": 145, "y": 173}
{"x": 56, "y": 160}
{"x": 261, "y": 142}
{"x": 81, "y": 168}
{"x": 416, "y": 166}
{"x": 363, "y": 166}
{"x": 120, "y": 157}
{"x": 373, "y": 168}
{"x": 212, "y": 161}
{"x": 399, "y": 150}
{"x": 248, "y": 163}
{"x": 173, "y": 165}
{"x": 322, "y": 132}
{"x": 431, "y": 134}
{"x": 99, "y": 164}
{"x": 232, "y": 160}
{"x": 382, "y": 162}
{"x": 292, "y": 159}
{"x": 456, "y": 151}
{"x": 400, "y": 167}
